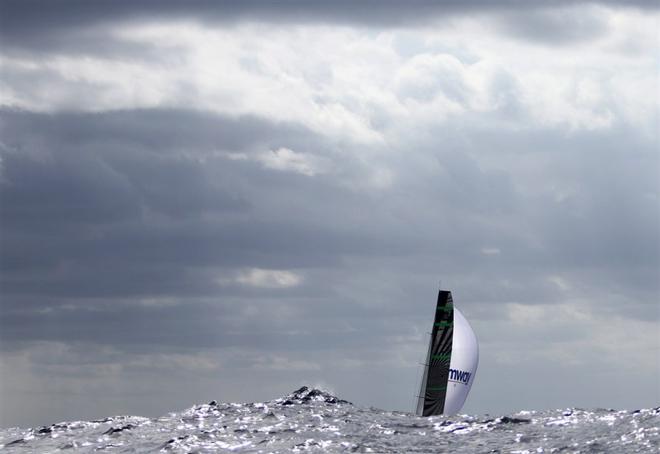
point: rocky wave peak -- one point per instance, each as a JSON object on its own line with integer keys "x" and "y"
{"x": 306, "y": 395}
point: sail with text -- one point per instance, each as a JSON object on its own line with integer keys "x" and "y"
{"x": 451, "y": 361}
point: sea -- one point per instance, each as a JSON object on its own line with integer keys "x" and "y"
{"x": 315, "y": 421}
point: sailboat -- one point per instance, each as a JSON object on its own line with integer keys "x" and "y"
{"x": 451, "y": 361}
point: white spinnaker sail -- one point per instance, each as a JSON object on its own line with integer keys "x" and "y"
{"x": 463, "y": 364}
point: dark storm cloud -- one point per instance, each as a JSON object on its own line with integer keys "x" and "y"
{"x": 133, "y": 198}
{"x": 104, "y": 212}
{"x": 554, "y": 27}
{"x": 67, "y": 26}
{"x": 161, "y": 130}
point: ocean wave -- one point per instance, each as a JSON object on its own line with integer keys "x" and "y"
{"x": 313, "y": 420}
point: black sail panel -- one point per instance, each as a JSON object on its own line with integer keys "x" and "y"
{"x": 434, "y": 383}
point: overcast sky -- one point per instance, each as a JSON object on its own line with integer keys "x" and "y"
{"x": 203, "y": 201}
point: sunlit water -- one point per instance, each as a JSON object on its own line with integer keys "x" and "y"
{"x": 309, "y": 420}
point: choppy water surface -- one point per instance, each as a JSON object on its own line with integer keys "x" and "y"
{"x": 309, "y": 420}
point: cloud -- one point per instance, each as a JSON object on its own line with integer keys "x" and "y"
{"x": 268, "y": 278}
{"x": 285, "y": 159}
{"x": 451, "y": 76}
{"x": 130, "y": 214}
